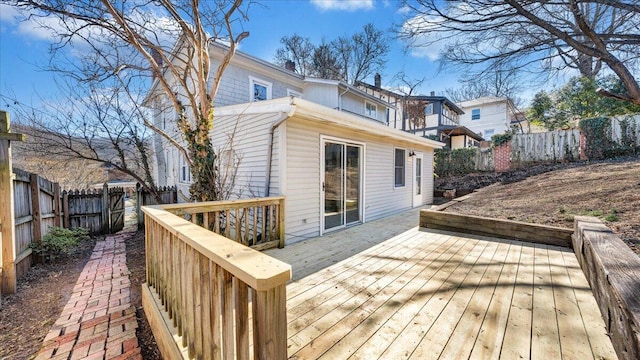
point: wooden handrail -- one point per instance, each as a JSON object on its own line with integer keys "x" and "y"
{"x": 209, "y": 287}
{"x": 193, "y": 208}
{"x": 258, "y": 222}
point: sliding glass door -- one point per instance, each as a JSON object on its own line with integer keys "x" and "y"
{"x": 341, "y": 184}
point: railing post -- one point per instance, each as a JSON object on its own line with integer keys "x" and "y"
{"x": 281, "y": 219}
{"x": 270, "y": 323}
{"x": 7, "y": 220}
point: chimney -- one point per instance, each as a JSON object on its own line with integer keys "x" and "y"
{"x": 377, "y": 80}
{"x": 433, "y": 93}
{"x": 290, "y": 65}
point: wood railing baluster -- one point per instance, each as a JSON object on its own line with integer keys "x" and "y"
{"x": 202, "y": 289}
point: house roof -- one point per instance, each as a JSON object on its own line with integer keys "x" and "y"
{"x": 296, "y": 107}
{"x": 485, "y": 100}
{"x": 463, "y": 130}
{"x": 350, "y": 88}
{"x": 442, "y": 99}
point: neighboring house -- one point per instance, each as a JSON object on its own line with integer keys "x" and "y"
{"x": 426, "y": 116}
{"x": 491, "y": 115}
{"x": 323, "y": 144}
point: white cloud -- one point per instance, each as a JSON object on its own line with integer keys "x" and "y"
{"x": 9, "y": 14}
{"x": 425, "y": 43}
{"x": 345, "y": 5}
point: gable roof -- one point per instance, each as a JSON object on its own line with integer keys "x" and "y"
{"x": 296, "y": 107}
{"x": 485, "y": 100}
{"x": 441, "y": 99}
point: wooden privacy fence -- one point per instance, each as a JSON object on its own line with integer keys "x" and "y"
{"x": 208, "y": 297}
{"x": 558, "y": 145}
{"x": 37, "y": 207}
{"x": 168, "y": 195}
{"x": 39, "y": 204}
{"x": 258, "y": 223}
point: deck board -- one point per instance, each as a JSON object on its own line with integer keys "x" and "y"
{"x": 436, "y": 295}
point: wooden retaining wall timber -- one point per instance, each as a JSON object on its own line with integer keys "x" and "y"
{"x": 508, "y": 229}
{"x": 613, "y": 271}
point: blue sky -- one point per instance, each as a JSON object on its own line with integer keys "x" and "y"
{"x": 24, "y": 48}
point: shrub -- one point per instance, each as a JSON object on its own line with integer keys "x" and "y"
{"x": 501, "y": 139}
{"x": 454, "y": 162}
{"x": 58, "y": 241}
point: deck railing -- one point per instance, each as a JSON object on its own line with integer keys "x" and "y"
{"x": 206, "y": 294}
{"x": 257, "y": 223}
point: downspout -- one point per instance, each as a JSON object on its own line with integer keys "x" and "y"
{"x": 340, "y": 98}
{"x": 283, "y": 117}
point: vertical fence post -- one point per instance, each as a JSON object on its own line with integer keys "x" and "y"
{"x": 57, "y": 220}
{"x": 105, "y": 209}
{"x": 66, "y": 219}
{"x": 7, "y": 221}
{"x": 139, "y": 204}
{"x": 34, "y": 185}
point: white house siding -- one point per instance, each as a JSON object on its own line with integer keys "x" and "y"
{"x": 235, "y": 85}
{"x": 458, "y": 142}
{"x": 493, "y": 116}
{"x": 303, "y": 177}
{"x": 427, "y": 179}
{"x": 251, "y": 143}
{"x": 323, "y": 94}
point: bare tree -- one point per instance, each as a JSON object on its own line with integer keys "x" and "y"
{"x": 348, "y": 58}
{"x": 325, "y": 62}
{"x": 363, "y": 54}
{"x": 297, "y": 49}
{"x": 167, "y": 41}
{"x": 500, "y": 83}
{"x": 90, "y": 125}
{"x": 517, "y": 34}
{"x": 413, "y": 111}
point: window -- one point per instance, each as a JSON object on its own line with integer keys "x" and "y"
{"x": 399, "y": 167}
{"x": 185, "y": 173}
{"x": 370, "y": 110}
{"x": 488, "y": 133}
{"x": 260, "y": 90}
{"x": 475, "y": 114}
{"x": 428, "y": 110}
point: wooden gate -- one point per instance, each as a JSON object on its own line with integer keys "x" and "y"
{"x": 116, "y": 209}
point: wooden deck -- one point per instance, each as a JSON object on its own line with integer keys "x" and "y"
{"x": 437, "y": 295}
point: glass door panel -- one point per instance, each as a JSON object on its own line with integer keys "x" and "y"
{"x": 333, "y": 185}
{"x": 353, "y": 184}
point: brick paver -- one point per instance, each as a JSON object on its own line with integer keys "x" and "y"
{"x": 99, "y": 321}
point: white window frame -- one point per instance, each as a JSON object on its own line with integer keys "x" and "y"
{"x": 404, "y": 168}
{"x": 367, "y": 111}
{"x": 428, "y": 110}
{"x": 472, "y": 116}
{"x": 256, "y": 81}
{"x": 184, "y": 175}
{"x": 363, "y": 146}
{"x": 294, "y": 93}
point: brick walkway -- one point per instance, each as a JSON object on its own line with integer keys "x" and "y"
{"x": 99, "y": 321}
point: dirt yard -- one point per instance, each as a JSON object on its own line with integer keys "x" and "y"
{"x": 27, "y": 316}
{"x": 607, "y": 190}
